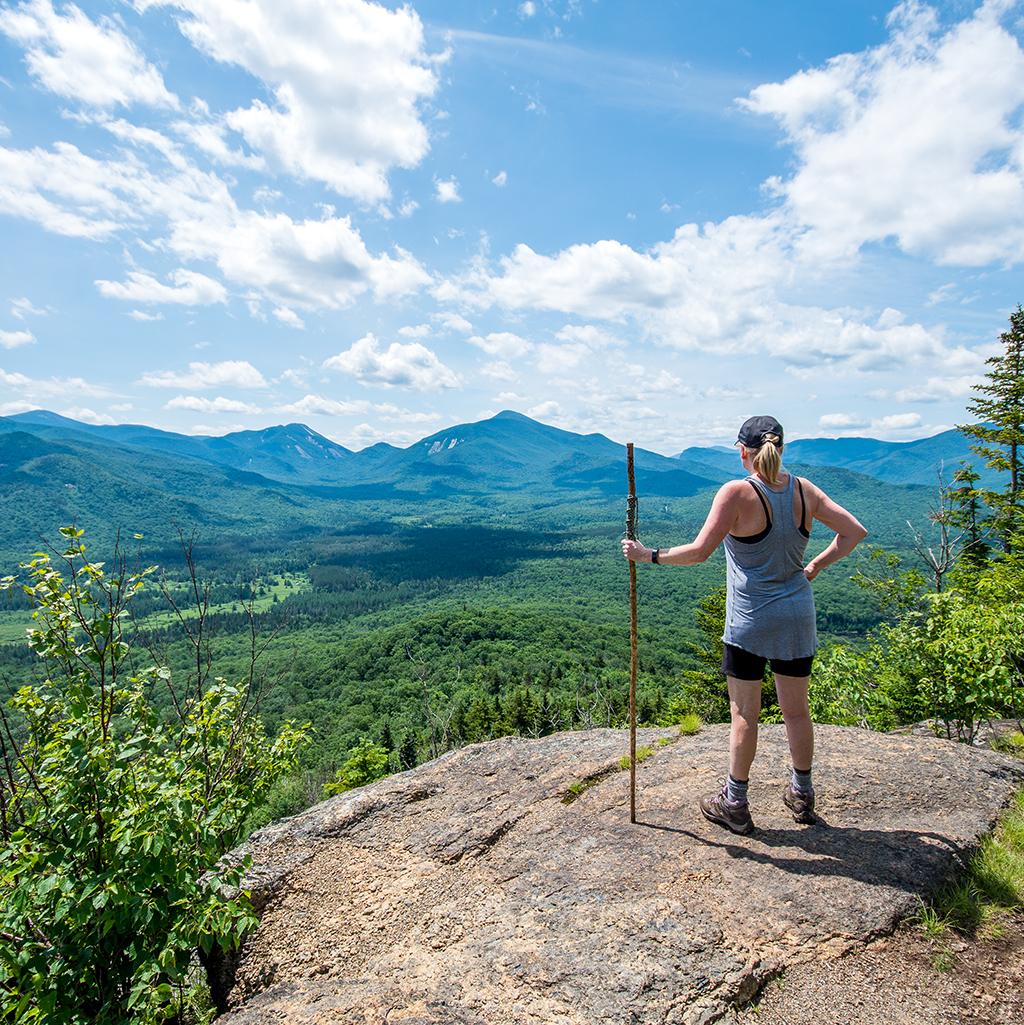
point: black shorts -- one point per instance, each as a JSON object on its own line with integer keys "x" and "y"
{"x": 742, "y": 665}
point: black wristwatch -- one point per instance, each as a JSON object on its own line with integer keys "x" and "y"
{"x": 654, "y": 555}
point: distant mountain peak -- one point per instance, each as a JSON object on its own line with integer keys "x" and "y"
{"x": 46, "y": 416}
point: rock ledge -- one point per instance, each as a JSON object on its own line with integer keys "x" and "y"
{"x": 469, "y": 891}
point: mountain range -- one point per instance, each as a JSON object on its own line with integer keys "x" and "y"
{"x": 288, "y": 480}
{"x": 508, "y": 451}
{"x": 895, "y": 462}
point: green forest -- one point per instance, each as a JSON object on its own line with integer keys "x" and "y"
{"x": 169, "y": 691}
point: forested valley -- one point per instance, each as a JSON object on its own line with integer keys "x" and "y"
{"x": 186, "y": 682}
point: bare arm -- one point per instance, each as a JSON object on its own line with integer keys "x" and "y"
{"x": 849, "y": 531}
{"x": 720, "y": 521}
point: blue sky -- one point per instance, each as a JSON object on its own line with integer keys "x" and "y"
{"x": 645, "y": 220}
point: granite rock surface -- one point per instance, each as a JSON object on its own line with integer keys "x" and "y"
{"x": 504, "y": 883}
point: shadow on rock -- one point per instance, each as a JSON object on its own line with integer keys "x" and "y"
{"x": 897, "y": 857}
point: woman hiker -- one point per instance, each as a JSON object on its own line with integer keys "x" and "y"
{"x": 765, "y": 521}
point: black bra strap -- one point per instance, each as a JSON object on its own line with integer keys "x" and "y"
{"x": 767, "y": 513}
{"x": 804, "y": 529}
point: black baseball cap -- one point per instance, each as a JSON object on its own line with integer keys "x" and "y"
{"x": 753, "y": 431}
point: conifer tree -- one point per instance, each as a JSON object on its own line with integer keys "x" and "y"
{"x": 969, "y": 513}
{"x": 999, "y": 432}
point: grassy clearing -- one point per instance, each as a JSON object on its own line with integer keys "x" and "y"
{"x": 979, "y": 904}
{"x": 283, "y": 585}
{"x": 13, "y": 625}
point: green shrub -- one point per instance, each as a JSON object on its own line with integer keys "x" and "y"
{"x": 287, "y": 796}
{"x": 954, "y": 657}
{"x": 112, "y": 818}
{"x": 367, "y": 762}
{"x": 1010, "y": 743}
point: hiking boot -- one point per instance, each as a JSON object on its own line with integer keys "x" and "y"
{"x": 801, "y": 805}
{"x": 735, "y": 817}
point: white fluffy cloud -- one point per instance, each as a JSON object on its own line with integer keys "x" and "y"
{"x": 346, "y": 77}
{"x": 289, "y": 317}
{"x": 453, "y": 322}
{"x": 93, "y": 63}
{"x": 715, "y": 288}
{"x": 937, "y": 389}
{"x": 500, "y": 179}
{"x": 212, "y": 430}
{"x": 575, "y": 343}
{"x": 188, "y": 288}
{"x": 897, "y": 422}
{"x": 217, "y": 405}
{"x": 549, "y": 410}
{"x": 319, "y": 405}
{"x": 841, "y": 422}
{"x": 50, "y": 387}
{"x": 309, "y": 263}
{"x": 851, "y": 423}
{"x": 610, "y": 280}
{"x": 556, "y": 359}
{"x": 499, "y": 370}
{"x": 409, "y": 366}
{"x": 589, "y": 335}
{"x": 875, "y": 159}
{"x": 14, "y": 339}
{"x": 918, "y": 139}
{"x": 81, "y": 413}
{"x": 200, "y": 376}
{"x": 211, "y": 138}
{"x": 15, "y": 406}
{"x": 415, "y": 331}
{"x": 86, "y": 415}
{"x": 366, "y": 434}
{"x": 503, "y": 344}
{"x": 66, "y": 191}
{"x": 447, "y": 191}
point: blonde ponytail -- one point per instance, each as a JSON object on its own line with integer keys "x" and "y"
{"x": 767, "y": 459}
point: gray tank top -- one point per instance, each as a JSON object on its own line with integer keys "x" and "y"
{"x": 769, "y": 604}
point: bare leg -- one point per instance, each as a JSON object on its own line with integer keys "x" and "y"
{"x": 745, "y": 705}
{"x": 792, "y": 692}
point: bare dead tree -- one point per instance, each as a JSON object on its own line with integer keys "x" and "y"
{"x": 940, "y": 556}
{"x": 593, "y": 708}
{"x": 438, "y": 721}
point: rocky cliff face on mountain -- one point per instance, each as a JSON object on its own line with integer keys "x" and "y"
{"x": 504, "y": 882}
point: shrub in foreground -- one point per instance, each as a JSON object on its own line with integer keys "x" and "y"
{"x": 113, "y": 818}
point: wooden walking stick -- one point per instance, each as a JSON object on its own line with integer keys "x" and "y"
{"x": 631, "y": 510}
